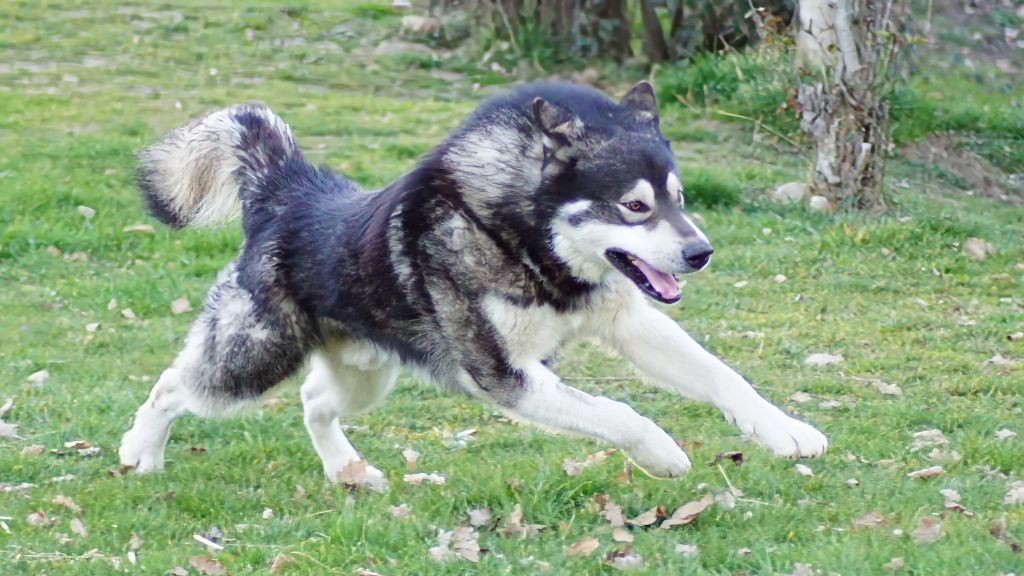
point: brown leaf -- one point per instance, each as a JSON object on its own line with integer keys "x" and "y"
{"x": 68, "y": 503}
{"x": 353, "y": 473}
{"x": 139, "y": 229}
{"x": 649, "y": 517}
{"x": 400, "y": 511}
{"x": 515, "y": 528}
{"x": 929, "y": 472}
{"x": 800, "y": 569}
{"x": 464, "y": 542}
{"x": 178, "y": 571}
{"x": 1015, "y": 494}
{"x": 87, "y": 212}
{"x": 479, "y": 516}
{"x": 624, "y": 559}
{"x": 893, "y": 565}
{"x": 78, "y": 528}
{"x": 978, "y": 249}
{"x": 870, "y": 520}
{"x": 8, "y": 430}
{"x": 128, "y": 314}
{"x": 688, "y": 512}
{"x": 206, "y": 565}
{"x": 927, "y": 530}
{"x": 37, "y": 519}
{"x": 613, "y": 514}
{"x": 620, "y": 534}
{"x": 583, "y": 547}
{"x": 180, "y": 306}
{"x": 421, "y": 478}
{"x": 411, "y": 457}
{"x": 135, "y": 542}
{"x": 803, "y": 470}
{"x": 823, "y": 359}
{"x": 687, "y": 549}
{"x": 571, "y": 467}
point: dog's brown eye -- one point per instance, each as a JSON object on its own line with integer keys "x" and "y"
{"x": 635, "y": 206}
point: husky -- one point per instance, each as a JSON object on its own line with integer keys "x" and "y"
{"x": 552, "y": 213}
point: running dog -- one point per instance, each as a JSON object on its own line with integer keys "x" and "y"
{"x": 553, "y": 212}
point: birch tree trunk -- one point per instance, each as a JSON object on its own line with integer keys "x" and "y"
{"x": 844, "y": 48}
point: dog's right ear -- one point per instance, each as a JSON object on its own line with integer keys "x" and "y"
{"x": 557, "y": 122}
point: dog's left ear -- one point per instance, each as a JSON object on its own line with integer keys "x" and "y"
{"x": 556, "y": 121}
{"x": 641, "y": 100}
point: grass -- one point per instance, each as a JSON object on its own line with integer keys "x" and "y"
{"x": 79, "y": 95}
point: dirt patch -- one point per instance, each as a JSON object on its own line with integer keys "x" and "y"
{"x": 964, "y": 169}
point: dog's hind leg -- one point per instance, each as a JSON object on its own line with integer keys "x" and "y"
{"x": 240, "y": 346}
{"x": 346, "y": 378}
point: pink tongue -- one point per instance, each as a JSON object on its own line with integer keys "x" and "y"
{"x": 665, "y": 284}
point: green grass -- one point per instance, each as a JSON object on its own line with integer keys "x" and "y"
{"x": 70, "y": 142}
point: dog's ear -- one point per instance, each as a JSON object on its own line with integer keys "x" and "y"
{"x": 641, "y": 100}
{"x": 555, "y": 121}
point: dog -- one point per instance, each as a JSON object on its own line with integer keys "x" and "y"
{"x": 552, "y": 213}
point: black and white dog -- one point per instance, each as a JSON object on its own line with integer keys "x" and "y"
{"x": 552, "y": 213}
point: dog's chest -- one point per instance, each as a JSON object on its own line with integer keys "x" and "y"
{"x": 531, "y": 333}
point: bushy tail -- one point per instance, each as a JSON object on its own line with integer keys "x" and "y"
{"x": 202, "y": 174}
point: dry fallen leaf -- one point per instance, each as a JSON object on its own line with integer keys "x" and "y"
{"x": 87, "y": 212}
{"x": 573, "y": 468}
{"x": 582, "y": 547}
{"x": 37, "y": 519}
{"x": 928, "y": 438}
{"x": 927, "y": 531}
{"x": 649, "y": 517}
{"x": 33, "y": 450}
{"x": 823, "y": 359}
{"x": 870, "y": 520}
{"x": 893, "y": 565}
{"x": 620, "y": 534}
{"x": 178, "y": 571}
{"x": 1005, "y": 434}
{"x": 1015, "y": 336}
{"x": 978, "y": 249}
{"x": 886, "y": 388}
{"x": 39, "y": 377}
{"x": 800, "y": 569}
{"x": 803, "y": 470}
{"x": 929, "y": 472}
{"x": 950, "y": 495}
{"x": 62, "y": 500}
{"x": 206, "y": 565}
{"x": 400, "y": 511}
{"x": 180, "y": 306}
{"x": 8, "y": 430}
{"x": 515, "y": 528}
{"x": 687, "y": 549}
{"x": 612, "y": 512}
{"x": 78, "y": 528}
{"x": 421, "y": 478}
{"x": 135, "y": 542}
{"x": 624, "y": 559}
{"x": 1014, "y": 494}
{"x": 411, "y": 457}
{"x": 688, "y": 512}
{"x": 479, "y": 516}
{"x": 801, "y": 397}
{"x": 127, "y": 314}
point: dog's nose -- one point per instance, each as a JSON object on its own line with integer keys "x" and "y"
{"x": 697, "y": 255}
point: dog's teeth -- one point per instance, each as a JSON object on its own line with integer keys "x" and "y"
{"x": 681, "y": 283}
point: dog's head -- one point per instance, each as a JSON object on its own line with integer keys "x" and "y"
{"x": 614, "y": 194}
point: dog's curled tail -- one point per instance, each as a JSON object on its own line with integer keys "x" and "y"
{"x": 203, "y": 173}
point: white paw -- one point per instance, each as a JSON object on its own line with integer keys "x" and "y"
{"x": 140, "y": 458}
{"x": 355, "y": 473}
{"x": 658, "y": 455}
{"x": 783, "y": 435}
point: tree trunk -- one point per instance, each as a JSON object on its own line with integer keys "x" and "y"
{"x": 654, "y": 37}
{"x": 840, "y": 48}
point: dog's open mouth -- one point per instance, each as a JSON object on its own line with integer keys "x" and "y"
{"x": 659, "y": 285}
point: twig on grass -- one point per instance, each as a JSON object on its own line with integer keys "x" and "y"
{"x": 734, "y": 491}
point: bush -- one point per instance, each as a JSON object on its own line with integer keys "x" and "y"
{"x": 709, "y": 189}
{"x": 757, "y": 84}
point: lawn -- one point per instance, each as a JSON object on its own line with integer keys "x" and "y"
{"x": 924, "y": 331}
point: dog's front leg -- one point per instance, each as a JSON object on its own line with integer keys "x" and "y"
{"x": 667, "y": 354}
{"x": 535, "y": 394}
